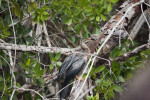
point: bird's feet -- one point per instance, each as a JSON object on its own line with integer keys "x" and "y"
{"x": 79, "y": 78}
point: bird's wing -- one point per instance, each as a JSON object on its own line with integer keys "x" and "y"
{"x": 76, "y": 67}
{"x": 66, "y": 64}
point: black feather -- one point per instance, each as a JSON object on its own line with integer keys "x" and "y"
{"x": 71, "y": 66}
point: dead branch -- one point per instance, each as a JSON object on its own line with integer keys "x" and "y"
{"x": 138, "y": 24}
{"x": 61, "y": 34}
{"x": 40, "y": 49}
{"x": 132, "y": 53}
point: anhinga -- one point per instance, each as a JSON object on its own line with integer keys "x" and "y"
{"x": 72, "y": 65}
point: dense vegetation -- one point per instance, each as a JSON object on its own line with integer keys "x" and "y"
{"x": 75, "y": 19}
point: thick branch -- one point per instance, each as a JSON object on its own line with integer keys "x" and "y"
{"x": 40, "y": 49}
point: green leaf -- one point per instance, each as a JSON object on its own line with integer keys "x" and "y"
{"x": 5, "y": 28}
{"x": 46, "y": 17}
{"x": 21, "y": 15}
{"x": 117, "y": 88}
{"x": 58, "y": 55}
{"x": 101, "y": 2}
{"x": 32, "y": 62}
{"x": 97, "y": 96}
{"x": 89, "y": 9}
{"x": 40, "y": 73}
{"x": 99, "y": 69}
{"x": 37, "y": 68}
{"x": 6, "y": 88}
{"x": 89, "y": 98}
{"x": 114, "y": 63}
{"x": 51, "y": 66}
{"x": 109, "y": 8}
{"x": 17, "y": 9}
{"x": 30, "y": 8}
{"x": 98, "y": 81}
{"x": 68, "y": 21}
{"x": 98, "y": 31}
{"x": 45, "y": 13}
{"x": 129, "y": 75}
{"x": 51, "y": 55}
{"x": 44, "y": 8}
{"x": 113, "y": 1}
{"x": 54, "y": 59}
{"x": 27, "y": 75}
{"x": 7, "y": 33}
{"x": 77, "y": 27}
{"x": 73, "y": 39}
{"x": 97, "y": 18}
{"x": 80, "y": 2}
{"x": 84, "y": 27}
{"x": 58, "y": 63}
{"x": 121, "y": 79}
{"x": 42, "y": 17}
{"x": 28, "y": 38}
{"x": 103, "y": 17}
{"x": 107, "y": 83}
{"x": 28, "y": 62}
{"x": 91, "y": 17}
{"x": 1, "y": 79}
{"x": 40, "y": 82}
{"x": 22, "y": 65}
{"x": 38, "y": 17}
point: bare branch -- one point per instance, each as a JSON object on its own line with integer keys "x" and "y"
{"x": 23, "y": 89}
{"x": 139, "y": 23}
{"x": 46, "y": 35}
{"x": 10, "y": 56}
{"x": 132, "y": 53}
{"x": 60, "y": 33}
{"x": 40, "y": 49}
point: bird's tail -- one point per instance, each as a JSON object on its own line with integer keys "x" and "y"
{"x": 65, "y": 88}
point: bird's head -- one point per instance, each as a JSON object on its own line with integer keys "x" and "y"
{"x": 84, "y": 44}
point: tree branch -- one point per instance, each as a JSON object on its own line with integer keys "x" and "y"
{"x": 61, "y": 34}
{"x": 132, "y": 53}
{"x": 40, "y": 49}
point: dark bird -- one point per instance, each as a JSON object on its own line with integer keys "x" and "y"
{"x": 72, "y": 65}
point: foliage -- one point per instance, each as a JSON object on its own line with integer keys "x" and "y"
{"x": 110, "y": 81}
{"x": 34, "y": 71}
{"x": 76, "y": 18}
{"x": 82, "y": 14}
{"x": 4, "y": 30}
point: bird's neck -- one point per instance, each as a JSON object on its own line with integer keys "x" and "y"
{"x": 85, "y": 48}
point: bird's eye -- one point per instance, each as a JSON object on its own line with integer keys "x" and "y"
{"x": 86, "y": 41}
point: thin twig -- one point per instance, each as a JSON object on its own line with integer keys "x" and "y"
{"x": 3, "y": 78}
{"x": 11, "y": 62}
{"x": 4, "y": 10}
{"x": 46, "y": 35}
{"x": 23, "y": 89}
{"x": 61, "y": 33}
